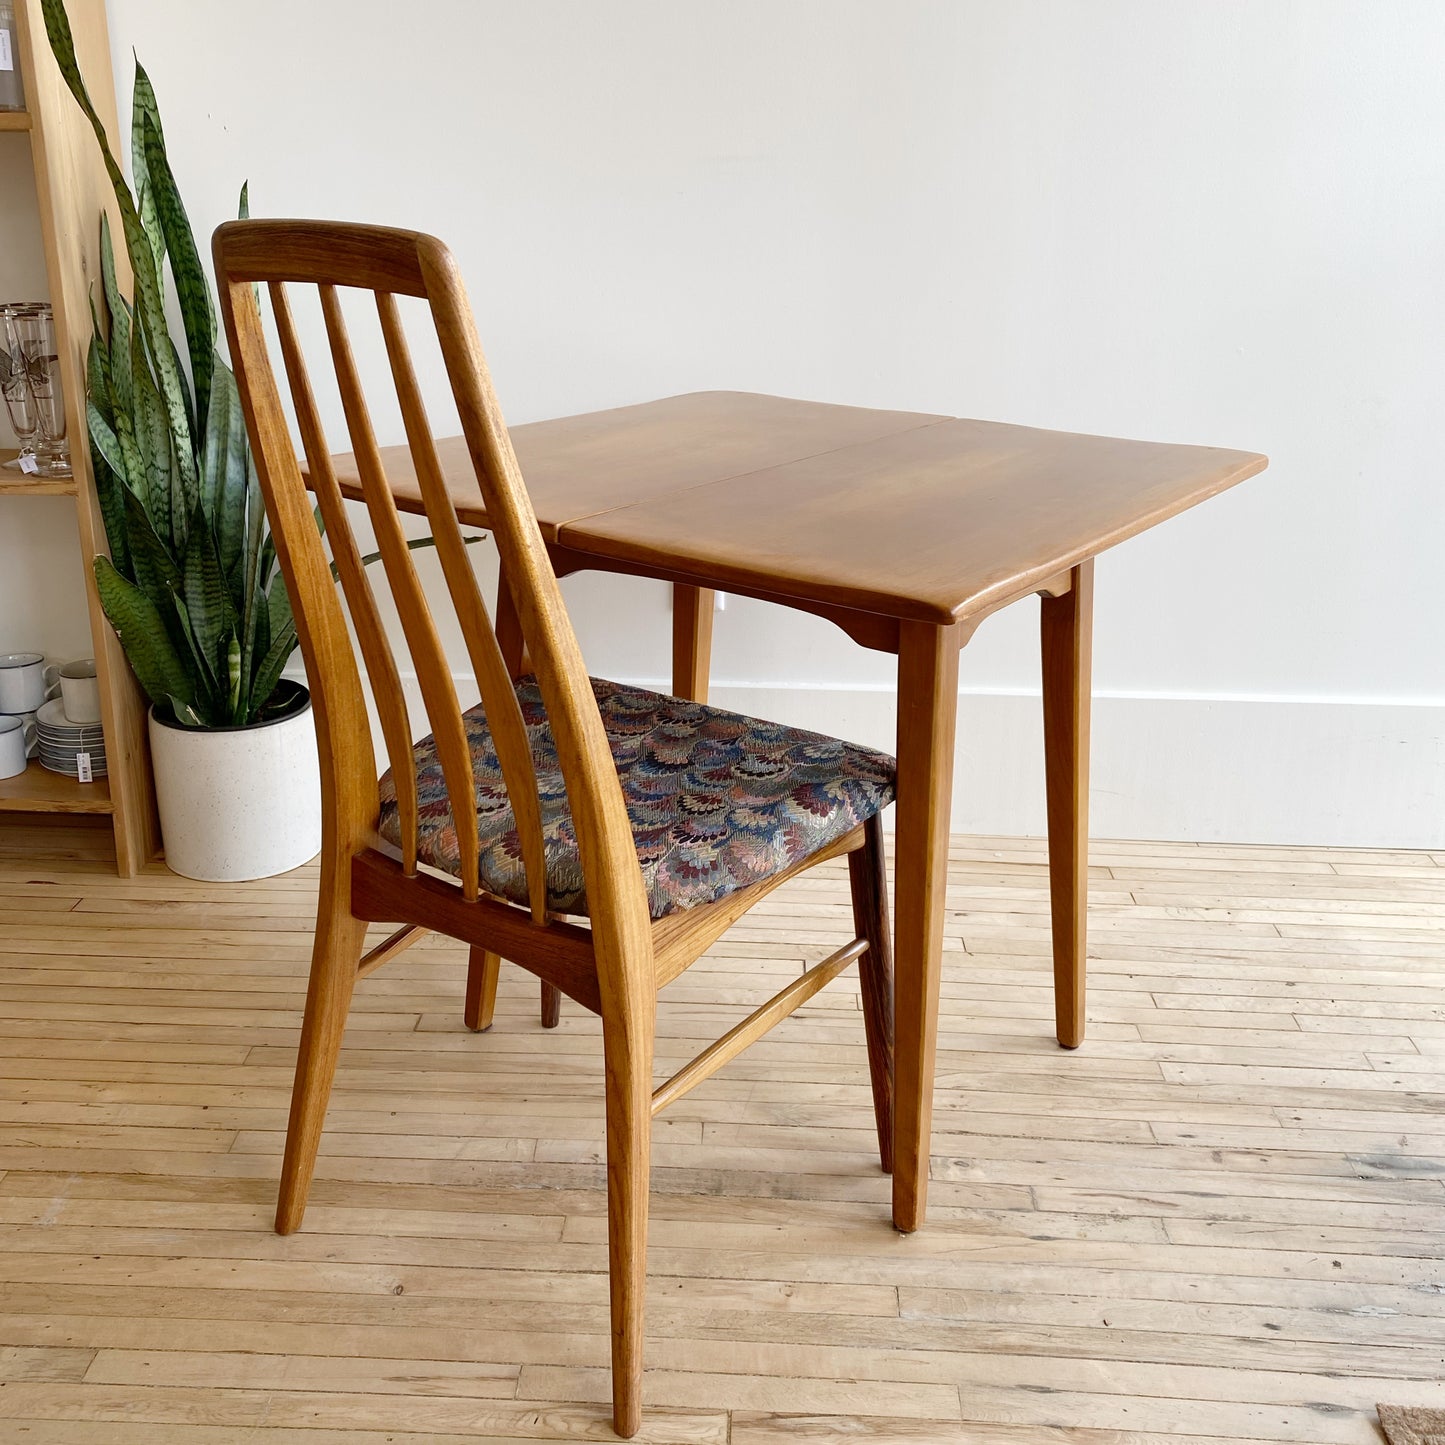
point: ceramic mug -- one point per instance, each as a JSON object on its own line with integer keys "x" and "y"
{"x": 25, "y": 681}
{"x": 13, "y": 744}
{"x": 80, "y": 692}
{"x": 28, "y": 726}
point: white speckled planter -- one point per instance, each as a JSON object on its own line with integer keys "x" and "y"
{"x": 238, "y": 803}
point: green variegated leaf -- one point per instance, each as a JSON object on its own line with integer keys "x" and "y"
{"x": 281, "y": 626}
{"x": 414, "y": 544}
{"x": 115, "y": 303}
{"x": 120, "y": 321}
{"x": 143, "y": 104}
{"x": 227, "y": 470}
{"x": 145, "y": 204}
{"x": 253, "y": 606}
{"x": 260, "y": 637}
{"x": 143, "y": 635}
{"x": 268, "y": 674}
{"x": 208, "y": 600}
{"x": 134, "y": 476}
{"x": 198, "y": 316}
{"x": 243, "y": 213}
{"x": 233, "y": 675}
{"x": 208, "y": 690}
{"x": 110, "y": 493}
{"x": 97, "y": 371}
{"x": 194, "y": 430}
{"x": 106, "y": 441}
{"x": 278, "y": 607}
{"x": 151, "y": 318}
{"x": 185, "y": 714}
{"x": 154, "y": 570}
{"x": 143, "y": 108}
{"x": 158, "y": 485}
{"x": 255, "y": 521}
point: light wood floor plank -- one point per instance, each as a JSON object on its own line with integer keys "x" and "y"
{"x": 1222, "y": 1220}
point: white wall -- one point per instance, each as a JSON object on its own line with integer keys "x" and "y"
{"x": 1219, "y": 223}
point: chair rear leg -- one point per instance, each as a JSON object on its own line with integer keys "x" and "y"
{"x": 629, "y": 1162}
{"x": 483, "y": 970}
{"x": 514, "y": 654}
{"x": 869, "y": 882}
{"x": 335, "y": 953}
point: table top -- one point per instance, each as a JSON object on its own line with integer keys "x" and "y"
{"x": 904, "y": 514}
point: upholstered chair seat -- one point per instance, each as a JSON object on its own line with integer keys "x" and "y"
{"x": 717, "y": 800}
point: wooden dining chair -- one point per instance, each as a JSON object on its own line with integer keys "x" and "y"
{"x": 600, "y": 836}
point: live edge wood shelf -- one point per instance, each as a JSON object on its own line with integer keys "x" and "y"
{"x": 71, "y": 190}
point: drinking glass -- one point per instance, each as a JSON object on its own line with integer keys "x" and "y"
{"x": 12, "y": 87}
{"x": 35, "y": 325}
{"x": 15, "y": 384}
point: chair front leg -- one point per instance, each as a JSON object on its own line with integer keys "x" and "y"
{"x": 629, "y": 1162}
{"x": 336, "y": 951}
{"x": 869, "y": 882}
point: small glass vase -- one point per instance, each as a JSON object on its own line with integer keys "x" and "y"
{"x": 15, "y": 386}
{"x": 12, "y": 86}
{"x": 35, "y": 327}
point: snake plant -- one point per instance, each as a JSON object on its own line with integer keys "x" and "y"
{"x": 191, "y": 585}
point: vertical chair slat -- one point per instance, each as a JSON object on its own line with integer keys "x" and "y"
{"x": 504, "y": 714}
{"x": 375, "y": 649}
{"x": 438, "y": 692}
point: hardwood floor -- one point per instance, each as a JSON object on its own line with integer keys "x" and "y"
{"x": 1222, "y": 1219}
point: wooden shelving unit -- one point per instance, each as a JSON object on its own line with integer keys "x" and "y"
{"x": 72, "y": 189}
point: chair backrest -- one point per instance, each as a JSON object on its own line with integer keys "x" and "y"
{"x": 393, "y": 263}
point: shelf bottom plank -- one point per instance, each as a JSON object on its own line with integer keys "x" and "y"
{"x": 38, "y": 790}
{"x": 19, "y": 484}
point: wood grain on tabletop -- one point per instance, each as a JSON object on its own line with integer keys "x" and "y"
{"x": 577, "y": 465}
{"x": 936, "y": 524}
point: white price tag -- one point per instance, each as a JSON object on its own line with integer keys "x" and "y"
{"x": 7, "y": 57}
{"x": 28, "y": 463}
{"x": 82, "y": 765}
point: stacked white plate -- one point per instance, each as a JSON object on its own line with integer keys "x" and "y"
{"x": 62, "y": 741}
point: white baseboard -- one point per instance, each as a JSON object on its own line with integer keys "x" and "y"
{"x": 1348, "y": 774}
{"x": 1237, "y": 770}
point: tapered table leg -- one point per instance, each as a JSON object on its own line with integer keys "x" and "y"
{"x": 692, "y": 609}
{"x": 1067, "y": 624}
{"x": 927, "y": 719}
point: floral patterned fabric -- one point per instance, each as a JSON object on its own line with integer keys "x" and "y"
{"x": 717, "y": 800}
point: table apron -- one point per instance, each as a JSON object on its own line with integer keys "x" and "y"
{"x": 872, "y": 630}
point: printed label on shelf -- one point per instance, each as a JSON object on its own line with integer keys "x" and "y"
{"x": 7, "y": 60}
{"x": 82, "y": 764}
